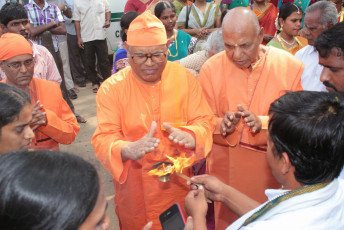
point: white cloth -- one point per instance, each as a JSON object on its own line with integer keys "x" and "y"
{"x": 310, "y": 78}
{"x": 91, "y": 14}
{"x": 66, "y": 67}
{"x": 70, "y": 27}
{"x": 199, "y": 19}
{"x": 318, "y": 210}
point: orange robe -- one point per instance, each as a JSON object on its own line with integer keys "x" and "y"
{"x": 267, "y": 19}
{"x": 126, "y": 108}
{"x": 62, "y": 126}
{"x": 239, "y": 159}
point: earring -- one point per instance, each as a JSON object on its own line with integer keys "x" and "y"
{"x": 281, "y": 28}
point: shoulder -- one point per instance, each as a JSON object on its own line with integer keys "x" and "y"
{"x": 184, "y": 34}
{"x": 47, "y": 86}
{"x": 216, "y": 60}
{"x": 304, "y": 51}
{"x": 283, "y": 62}
{"x": 116, "y": 82}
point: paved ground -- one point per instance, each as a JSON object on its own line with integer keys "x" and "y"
{"x": 85, "y": 105}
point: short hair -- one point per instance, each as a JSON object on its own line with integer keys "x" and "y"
{"x": 328, "y": 11}
{"x": 161, "y": 6}
{"x": 309, "y": 127}
{"x": 12, "y": 11}
{"x": 46, "y": 190}
{"x": 12, "y": 102}
{"x": 215, "y": 42}
{"x": 125, "y": 21}
{"x": 331, "y": 38}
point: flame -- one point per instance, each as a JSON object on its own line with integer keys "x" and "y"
{"x": 179, "y": 164}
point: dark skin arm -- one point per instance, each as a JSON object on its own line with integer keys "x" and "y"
{"x": 53, "y": 27}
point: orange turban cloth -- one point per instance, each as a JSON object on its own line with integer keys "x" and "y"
{"x": 146, "y": 30}
{"x": 12, "y": 45}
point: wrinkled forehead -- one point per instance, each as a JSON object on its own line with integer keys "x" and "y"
{"x": 239, "y": 37}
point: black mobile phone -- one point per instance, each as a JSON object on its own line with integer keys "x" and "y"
{"x": 173, "y": 218}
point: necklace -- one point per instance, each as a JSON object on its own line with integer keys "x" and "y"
{"x": 175, "y": 40}
{"x": 279, "y": 37}
{"x": 260, "y": 10}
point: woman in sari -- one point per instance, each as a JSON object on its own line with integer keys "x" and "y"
{"x": 200, "y": 18}
{"x": 267, "y": 14}
{"x": 288, "y": 26}
{"x": 181, "y": 43}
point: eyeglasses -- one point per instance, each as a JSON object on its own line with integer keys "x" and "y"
{"x": 142, "y": 58}
{"x": 16, "y": 65}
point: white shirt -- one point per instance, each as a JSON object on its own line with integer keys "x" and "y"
{"x": 310, "y": 78}
{"x": 317, "y": 210}
{"x": 91, "y": 14}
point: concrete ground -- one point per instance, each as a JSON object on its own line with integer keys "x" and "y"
{"x": 85, "y": 105}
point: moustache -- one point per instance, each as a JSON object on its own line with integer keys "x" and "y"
{"x": 328, "y": 84}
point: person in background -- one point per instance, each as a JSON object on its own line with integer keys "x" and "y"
{"x": 52, "y": 120}
{"x": 179, "y": 4}
{"x": 305, "y": 154}
{"x": 240, "y": 84}
{"x": 199, "y": 19}
{"x": 15, "y": 119}
{"x": 267, "y": 14}
{"x": 195, "y": 61}
{"x": 319, "y": 17}
{"x": 137, "y": 5}
{"x": 340, "y": 9}
{"x": 90, "y": 20}
{"x": 14, "y": 19}
{"x": 150, "y": 110}
{"x": 74, "y": 52}
{"x": 181, "y": 43}
{"x": 288, "y": 26}
{"x": 50, "y": 190}
{"x": 120, "y": 54}
{"x": 63, "y": 48}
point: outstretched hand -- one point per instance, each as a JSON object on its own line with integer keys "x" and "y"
{"x": 136, "y": 150}
{"x": 180, "y": 137}
{"x": 251, "y": 120}
{"x": 229, "y": 122}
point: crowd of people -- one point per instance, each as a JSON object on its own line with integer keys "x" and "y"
{"x": 250, "y": 93}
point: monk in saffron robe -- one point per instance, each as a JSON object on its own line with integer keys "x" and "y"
{"x": 240, "y": 83}
{"x": 266, "y": 13}
{"x": 149, "y": 110}
{"x": 53, "y": 121}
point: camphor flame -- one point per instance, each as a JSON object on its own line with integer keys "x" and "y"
{"x": 179, "y": 164}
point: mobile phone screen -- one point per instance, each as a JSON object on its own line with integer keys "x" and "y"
{"x": 172, "y": 218}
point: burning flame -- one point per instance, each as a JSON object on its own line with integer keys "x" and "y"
{"x": 178, "y": 165}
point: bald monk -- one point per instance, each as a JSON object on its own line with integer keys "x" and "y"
{"x": 239, "y": 84}
{"x": 149, "y": 110}
{"x": 53, "y": 121}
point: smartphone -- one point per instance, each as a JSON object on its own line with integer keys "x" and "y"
{"x": 173, "y": 218}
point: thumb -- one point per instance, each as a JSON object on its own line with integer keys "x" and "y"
{"x": 152, "y": 129}
{"x": 240, "y": 108}
{"x": 168, "y": 127}
{"x": 148, "y": 226}
{"x": 189, "y": 224}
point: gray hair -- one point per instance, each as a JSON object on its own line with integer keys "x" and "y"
{"x": 329, "y": 14}
{"x": 214, "y": 42}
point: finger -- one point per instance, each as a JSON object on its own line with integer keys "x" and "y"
{"x": 168, "y": 127}
{"x": 189, "y": 224}
{"x": 148, "y": 226}
{"x": 152, "y": 129}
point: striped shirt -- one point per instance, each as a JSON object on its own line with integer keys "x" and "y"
{"x": 38, "y": 17}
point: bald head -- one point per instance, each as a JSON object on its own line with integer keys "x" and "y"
{"x": 241, "y": 19}
{"x": 242, "y": 36}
